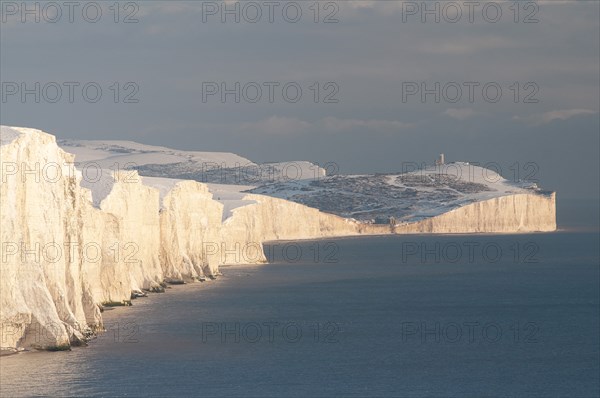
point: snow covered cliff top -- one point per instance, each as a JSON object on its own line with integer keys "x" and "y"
{"x": 228, "y": 175}
{"x": 129, "y": 154}
{"x": 157, "y": 161}
{"x": 406, "y": 197}
{"x": 8, "y": 133}
{"x": 403, "y": 197}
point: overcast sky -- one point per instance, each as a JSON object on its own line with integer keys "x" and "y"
{"x": 365, "y": 62}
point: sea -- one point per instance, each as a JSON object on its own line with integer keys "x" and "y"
{"x": 406, "y": 316}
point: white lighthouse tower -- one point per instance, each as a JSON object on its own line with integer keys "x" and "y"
{"x": 440, "y": 160}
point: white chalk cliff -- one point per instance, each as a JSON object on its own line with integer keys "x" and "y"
{"x": 71, "y": 245}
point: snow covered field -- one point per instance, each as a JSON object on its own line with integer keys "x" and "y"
{"x": 408, "y": 197}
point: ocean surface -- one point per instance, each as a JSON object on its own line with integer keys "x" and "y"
{"x": 410, "y": 316}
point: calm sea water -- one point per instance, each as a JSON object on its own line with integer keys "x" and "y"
{"x": 511, "y": 315}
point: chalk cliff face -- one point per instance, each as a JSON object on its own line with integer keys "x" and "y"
{"x": 136, "y": 207}
{"x": 44, "y": 298}
{"x": 270, "y": 219}
{"x": 505, "y": 214}
{"x": 71, "y": 245}
{"x": 190, "y": 232}
{"x": 106, "y": 272}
